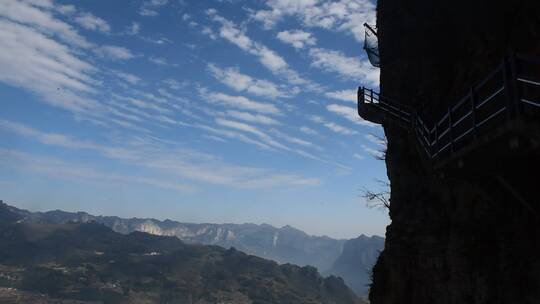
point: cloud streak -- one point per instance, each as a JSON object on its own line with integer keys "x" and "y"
{"x": 244, "y": 83}
{"x": 182, "y": 163}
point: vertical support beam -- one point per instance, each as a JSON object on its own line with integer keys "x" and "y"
{"x": 508, "y": 86}
{"x": 510, "y": 72}
{"x": 436, "y": 142}
{"x": 450, "y": 129}
{"x": 473, "y": 111}
{"x": 360, "y": 94}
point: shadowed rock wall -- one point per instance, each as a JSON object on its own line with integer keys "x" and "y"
{"x": 461, "y": 238}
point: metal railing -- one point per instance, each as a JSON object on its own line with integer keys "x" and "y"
{"x": 510, "y": 90}
{"x": 399, "y": 111}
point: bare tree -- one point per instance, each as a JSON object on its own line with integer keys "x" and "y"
{"x": 378, "y": 199}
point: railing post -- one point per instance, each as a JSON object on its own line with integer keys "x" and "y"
{"x": 450, "y": 127}
{"x": 510, "y": 85}
{"x": 514, "y": 72}
{"x": 473, "y": 111}
{"x": 436, "y": 143}
{"x": 371, "y": 95}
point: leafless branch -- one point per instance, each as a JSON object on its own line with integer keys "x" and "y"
{"x": 378, "y": 199}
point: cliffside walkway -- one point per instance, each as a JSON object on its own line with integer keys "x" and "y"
{"x": 506, "y": 99}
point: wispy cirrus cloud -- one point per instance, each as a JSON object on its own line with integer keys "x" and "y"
{"x": 341, "y": 15}
{"x": 344, "y": 95}
{"x": 91, "y": 22}
{"x": 308, "y": 130}
{"x": 334, "y": 127}
{"x": 150, "y": 8}
{"x": 267, "y": 57}
{"x": 255, "y": 118}
{"x": 245, "y": 83}
{"x": 239, "y": 102}
{"x": 39, "y": 16}
{"x": 347, "y": 67}
{"x": 134, "y": 28}
{"x": 297, "y": 38}
{"x": 174, "y": 161}
{"x": 54, "y": 167}
{"x": 349, "y": 113}
{"x": 114, "y": 52}
{"x": 244, "y": 127}
{"x": 32, "y": 60}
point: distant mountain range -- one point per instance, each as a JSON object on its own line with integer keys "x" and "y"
{"x": 42, "y": 262}
{"x": 356, "y": 261}
{"x": 351, "y": 259}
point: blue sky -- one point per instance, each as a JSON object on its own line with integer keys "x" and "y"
{"x": 198, "y": 111}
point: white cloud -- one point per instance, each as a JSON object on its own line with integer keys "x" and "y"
{"x": 294, "y": 140}
{"x": 341, "y": 15}
{"x": 134, "y": 28}
{"x": 244, "y": 83}
{"x": 91, "y": 22}
{"x": 239, "y": 102}
{"x": 175, "y": 84}
{"x": 209, "y": 32}
{"x": 358, "y": 156}
{"x": 267, "y": 57}
{"x": 255, "y": 118}
{"x": 66, "y": 9}
{"x": 152, "y": 154}
{"x": 332, "y": 126}
{"x": 150, "y": 8}
{"x": 378, "y": 154}
{"x": 348, "y": 67}
{"x": 267, "y": 139}
{"x": 308, "y": 130}
{"x": 130, "y": 78}
{"x": 339, "y": 128}
{"x": 344, "y": 95}
{"x": 270, "y": 142}
{"x": 376, "y": 140}
{"x": 233, "y": 135}
{"x": 149, "y": 105}
{"x": 160, "y": 61}
{"x": 298, "y": 39}
{"x": 349, "y": 113}
{"x": 114, "y": 52}
{"x": 34, "y": 61}
{"x": 40, "y": 17}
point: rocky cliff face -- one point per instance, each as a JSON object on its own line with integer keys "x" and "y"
{"x": 460, "y": 238}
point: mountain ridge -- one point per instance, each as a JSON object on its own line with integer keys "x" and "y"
{"x": 44, "y": 263}
{"x": 283, "y": 245}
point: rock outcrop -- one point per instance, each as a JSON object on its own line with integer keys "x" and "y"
{"x": 461, "y": 237}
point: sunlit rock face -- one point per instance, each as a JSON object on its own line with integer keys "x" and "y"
{"x": 461, "y": 237}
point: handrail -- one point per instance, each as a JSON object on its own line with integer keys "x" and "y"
{"x": 437, "y": 139}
